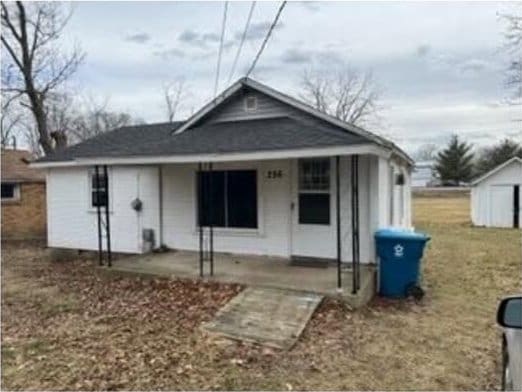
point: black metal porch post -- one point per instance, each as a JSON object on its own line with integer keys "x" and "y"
{"x": 200, "y": 216}
{"x": 338, "y": 211}
{"x": 211, "y": 222}
{"x": 107, "y": 216}
{"x": 355, "y": 223}
{"x": 98, "y": 213}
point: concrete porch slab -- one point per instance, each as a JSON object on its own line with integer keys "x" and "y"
{"x": 255, "y": 271}
{"x": 265, "y": 316}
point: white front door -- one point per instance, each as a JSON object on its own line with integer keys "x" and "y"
{"x": 313, "y": 218}
{"x": 501, "y": 206}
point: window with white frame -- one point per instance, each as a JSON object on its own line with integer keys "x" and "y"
{"x": 10, "y": 191}
{"x": 98, "y": 189}
{"x": 314, "y": 191}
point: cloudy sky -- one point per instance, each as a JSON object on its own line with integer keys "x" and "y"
{"x": 439, "y": 66}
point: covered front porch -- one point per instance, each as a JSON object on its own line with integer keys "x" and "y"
{"x": 260, "y": 271}
{"x": 250, "y": 221}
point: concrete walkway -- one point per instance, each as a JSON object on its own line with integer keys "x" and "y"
{"x": 265, "y": 316}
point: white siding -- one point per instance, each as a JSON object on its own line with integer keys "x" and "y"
{"x": 72, "y": 222}
{"x": 365, "y": 229}
{"x": 266, "y": 107}
{"x": 408, "y": 176}
{"x": 477, "y": 205}
{"x": 276, "y": 235}
{"x": 482, "y": 206}
{"x": 179, "y": 207}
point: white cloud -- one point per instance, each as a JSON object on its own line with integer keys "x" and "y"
{"x": 139, "y": 38}
{"x": 474, "y": 65}
{"x": 438, "y": 64}
{"x": 412, "y": 124}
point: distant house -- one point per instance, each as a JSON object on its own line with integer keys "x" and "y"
{"x": 422, "y": 175}
{"x": 23, "y": 197}
{"x": 496, "y": 197}
{"x": 271, "y": 175}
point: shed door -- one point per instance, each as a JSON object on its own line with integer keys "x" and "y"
{"x": 517, "y": 201}
{"x": 501, "y": 206}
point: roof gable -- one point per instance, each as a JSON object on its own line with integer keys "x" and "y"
{"x": 293, "y": 106}
{"x": 234, "y": 109}
{"x": 497, "y": 169}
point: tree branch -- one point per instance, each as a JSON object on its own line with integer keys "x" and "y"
{"x": 12, "y": 53}
{"x": 6, "y": 21}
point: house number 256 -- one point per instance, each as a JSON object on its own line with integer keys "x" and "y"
{"x": 274, "y": 174}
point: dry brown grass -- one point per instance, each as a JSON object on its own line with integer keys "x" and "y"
{"x": 67, "y": 327}
{"x": 433, "y": 211}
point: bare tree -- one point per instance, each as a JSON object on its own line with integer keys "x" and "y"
{"x": 345, "y": 94}
{"x": 174, "y": 94}
{"x": 426, "y": 152}
{"x": 83, "y": 117}
{"x": 10, "y": 120}
{"x": 61, "y": 112}
{"x": 29, "y": 37}
{"x": 11, "y": 115}
{"x": 513, "y": 46}
{"x": 95, "y": 118}
{"x": 31, "y": 138}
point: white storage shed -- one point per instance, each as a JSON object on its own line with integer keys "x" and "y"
{"x": 496, "y": 198}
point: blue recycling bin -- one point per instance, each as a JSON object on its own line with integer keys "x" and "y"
{"x": 400, "y": 253}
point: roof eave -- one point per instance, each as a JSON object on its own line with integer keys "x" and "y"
{"x": 495, "y": 170}
{"x": 223, "y": 157}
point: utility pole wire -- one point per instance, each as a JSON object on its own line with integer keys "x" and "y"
{"x": 274, "y": 23}
{"x": 243, "y": 37}
{"x": 220, "y": 47}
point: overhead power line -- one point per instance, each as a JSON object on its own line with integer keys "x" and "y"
{"x": 274, "y": 23}
{"x": 243, "y": 37}
{"x": 221, "y": 47}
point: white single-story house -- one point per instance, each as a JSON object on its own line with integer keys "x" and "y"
{"x": 271, "y": 175}
{"x": 496, "y": 197}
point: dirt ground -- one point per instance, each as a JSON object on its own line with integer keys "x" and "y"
{"x": 69, "y": 326}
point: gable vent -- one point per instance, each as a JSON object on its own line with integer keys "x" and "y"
{"x": 251, "y": 103}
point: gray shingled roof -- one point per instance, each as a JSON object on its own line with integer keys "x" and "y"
{"x": 267, "y": 134}
{"x": 119, "y": 142}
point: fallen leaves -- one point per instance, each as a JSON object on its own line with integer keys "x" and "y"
{"x": 68, "y": 326}
{"x": 237, "y": 361}
{"x": 94, "y": 331}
